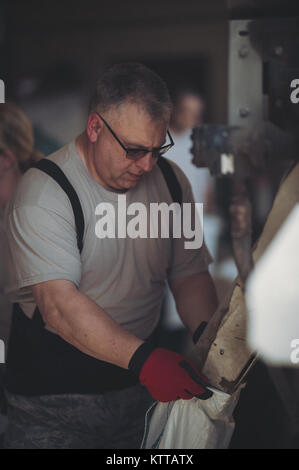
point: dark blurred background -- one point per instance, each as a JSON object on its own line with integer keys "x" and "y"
{"x": 52, "y": 52}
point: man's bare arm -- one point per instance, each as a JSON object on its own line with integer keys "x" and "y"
{"x": 82, "y": 323}
{"x": 195, "y": 298}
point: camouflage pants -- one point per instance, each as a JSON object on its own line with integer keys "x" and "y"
{"x": 112, "y": 420}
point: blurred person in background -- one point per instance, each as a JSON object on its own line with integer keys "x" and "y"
{"x": 188, "y": 112}
{"x": 16, "y": 155}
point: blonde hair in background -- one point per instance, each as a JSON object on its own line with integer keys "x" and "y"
{"x": 16, "y": 136}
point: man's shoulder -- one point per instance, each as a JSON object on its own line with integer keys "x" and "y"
{"x": 158, "y": 182}
{"x": 36, "y": 188}
{"x": 179, "y": 173}
{"x": 65, "y": 157}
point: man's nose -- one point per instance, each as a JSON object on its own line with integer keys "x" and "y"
{"x": 146, "y": 162}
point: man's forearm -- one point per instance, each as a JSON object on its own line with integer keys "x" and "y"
{"x": 82, "y": 323}
{"x": 196, "y": 299}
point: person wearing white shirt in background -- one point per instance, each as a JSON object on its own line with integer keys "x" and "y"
{"x": 188, "y": 112}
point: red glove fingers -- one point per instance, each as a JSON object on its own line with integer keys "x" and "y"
{"x": 168, "y": 375}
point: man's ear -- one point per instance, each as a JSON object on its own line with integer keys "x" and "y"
{"x": 94, "y": 127}
{"x": 7, "y": 161}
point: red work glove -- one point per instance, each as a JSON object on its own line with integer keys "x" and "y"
{"x": 168, "y": 375}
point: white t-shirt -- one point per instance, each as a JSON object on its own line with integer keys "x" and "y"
{"x": 199, "y": 178}
{"x": 125, "y": 276}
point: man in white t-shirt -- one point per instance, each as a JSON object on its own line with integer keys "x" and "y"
{"x": 188, "y": 112}
{"x": 82, "y": 362}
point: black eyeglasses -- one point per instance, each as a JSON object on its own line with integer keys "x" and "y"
{"x": 137, "y": 154}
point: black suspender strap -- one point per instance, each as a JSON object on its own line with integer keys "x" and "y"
{"x": 172, "y": 182}
{"x": 53, "y": 170}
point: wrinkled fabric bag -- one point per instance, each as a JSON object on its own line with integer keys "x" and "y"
{"x": 191, "y": 424}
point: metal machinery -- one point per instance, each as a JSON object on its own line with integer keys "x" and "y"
{"x": 261, "y": 135}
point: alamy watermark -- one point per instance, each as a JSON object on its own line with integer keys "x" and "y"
{"x": 2, "y": 91}
{"x": 2, "y": 352}
{"x": 294, "y": 96}
{"x": 160, "y": 220}
{"x": 294, "y": 356}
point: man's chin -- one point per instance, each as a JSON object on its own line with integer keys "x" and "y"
{"x": 130, "y": 181}
{"x": 129, "y": 184}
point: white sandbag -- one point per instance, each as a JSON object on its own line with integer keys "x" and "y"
{"x": 191, "y": 424}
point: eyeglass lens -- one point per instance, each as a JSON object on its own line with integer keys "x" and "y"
{"x": 136, "y": 154}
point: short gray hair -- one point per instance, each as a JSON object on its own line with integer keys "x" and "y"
{"x": 132, "y": 82}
